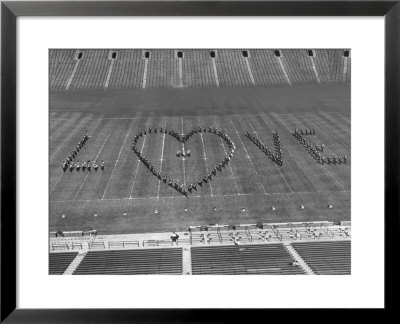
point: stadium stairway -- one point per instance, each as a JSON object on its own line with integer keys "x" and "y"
{"x": 317, "y": 248}
{"x": 95, "y": 69}
{"x": 326, "y": 257}
{"x": 59, "y": 262}
{"x": 244, "y": 259}
{"x": 75, "y": 263}
{"x": 298, "y": 258}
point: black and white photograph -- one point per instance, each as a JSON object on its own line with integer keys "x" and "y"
{"x": 185, "y": 161}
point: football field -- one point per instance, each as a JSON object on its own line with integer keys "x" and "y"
{"x": 124, "y": 196}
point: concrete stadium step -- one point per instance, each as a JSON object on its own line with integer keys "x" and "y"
{"x": 59, "y": 262}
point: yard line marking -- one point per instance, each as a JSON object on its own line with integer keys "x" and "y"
{"x": 137, "y": 167}
{"x": 280, "y": 171}
{"x": 162, "y": 158}
{"x": 56, "y": 131}
{"x": 345, "y": 120}
{"x": 230, "y": 166}
{"x": 183, "y": 158}
{"x": 56, "y": 183}
{"x": 319, "y": 139}
{"x": 338, "y": 124}
{"x": 204, "y": 154}
{"x": 95, "y": 159}
{"x": 62, "y": 174}
{"x": 54, "y": 123}
{"x": 327, "y": 131}
{"x": 248, "y": 156}
{"x": 334, "y": 178}
{"x": 287, "y": 149}
{"x": 116, "y": 162}
{"x": 78, "y": 127}
{"x": 204, "y": 196}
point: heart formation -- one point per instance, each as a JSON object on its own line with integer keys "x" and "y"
{"x": 174, "y": 183}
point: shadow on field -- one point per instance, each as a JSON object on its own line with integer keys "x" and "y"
{"x": 203, "y": 101}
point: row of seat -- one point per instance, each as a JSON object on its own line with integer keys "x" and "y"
{"x": 195, "y": 70}
{"x": 232, "y": 69}
{"x": 92, "y": 72}
{"x": 323, "y": 257}
{"x": 136, "y": 261}
{"x": 298, "y": 66}
{"x": 243, "y": 259}
{"x": 326, "y": 257}
{"x": 59, "y": 262}
{"x": 198, "y": 70}
{"x": 61, "y": 65}
{"x": 266, "y": 68}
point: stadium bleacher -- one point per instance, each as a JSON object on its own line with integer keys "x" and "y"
{"x": 95, "y": 68}
{"x": 218, "y": 252}
{"x": 298, "y": 66}
{"x": 243, "y": 259}
{"x": 92, "y": 70}
{"x": 61, "y": 65}
{"x": 59, "y": 262}
{"x": 266, "y": 68}
{"x": 128, "y": 70}
{"x": 232, "y": 71}
{"x": 128, "y": 262}
{"x": 263, "y": 248}
{"x": 326, "y": 257}
{"x": 321, "y": 60}
{"x": 198, "y": 69}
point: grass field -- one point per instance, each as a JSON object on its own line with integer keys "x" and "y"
{"x": 250, "y": 181}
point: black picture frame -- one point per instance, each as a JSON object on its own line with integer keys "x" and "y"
{"x": 10, "y": 10}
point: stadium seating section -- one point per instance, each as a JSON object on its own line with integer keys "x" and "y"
{"x": 96, "y": 69}
{"x": 322, "y": 257}
{"x": 59, "y": 262}
{"x": 326, "y": 257}
{"x": 143, "y": 261}
{"x": 243, "y": 259}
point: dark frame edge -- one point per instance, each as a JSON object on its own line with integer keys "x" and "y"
{"x": 203, "y": 8}
{"x": 392, "y": 149}
{"x": 8, "y": 162}
{"x": 10, "y": 314}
